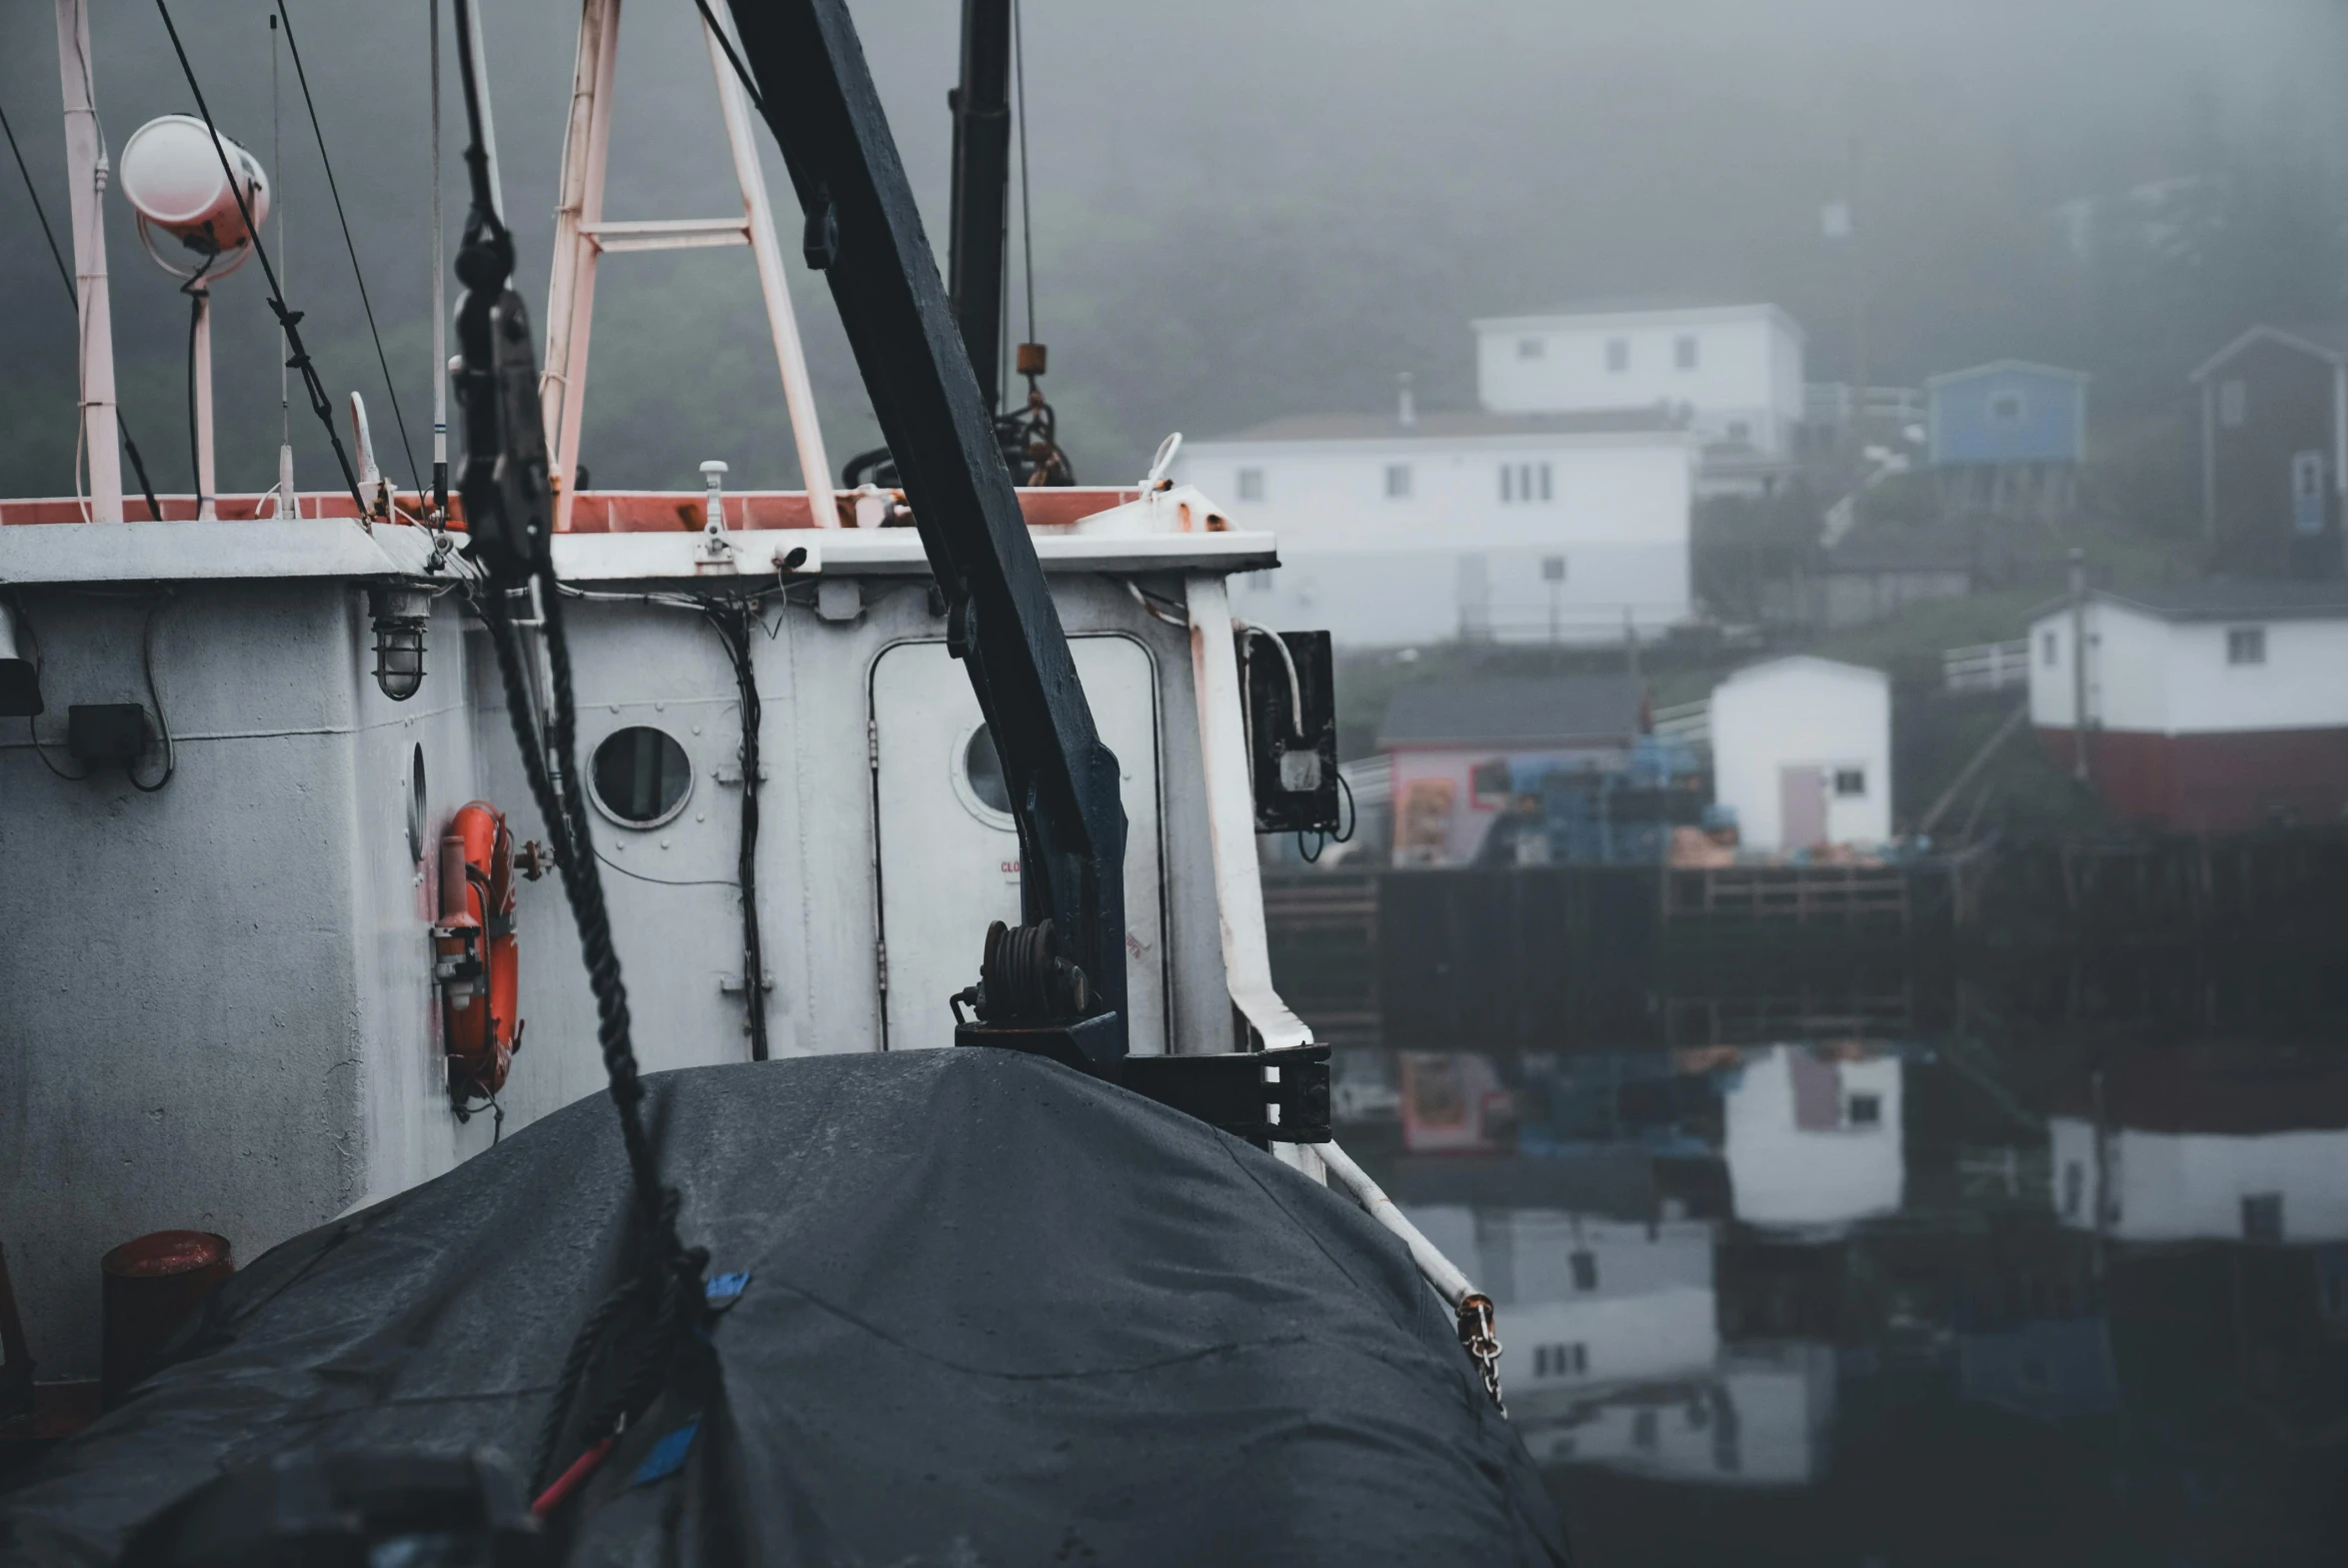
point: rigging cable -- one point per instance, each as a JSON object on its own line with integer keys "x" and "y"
{"x": 287, "y": 317}
{"x": 1018, "y": 78}
{"x": 628, "y": 1341}
{"x": 288, "y": 499}
{"x": 440, "y": 305}
{"x": 74, "y": 294}
{"x": 740, "y": 71}
{"x": 334, "y": 190}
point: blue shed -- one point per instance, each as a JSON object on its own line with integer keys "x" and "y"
{"x": 2009, "y": 412}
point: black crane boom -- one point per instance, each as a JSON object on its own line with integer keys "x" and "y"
{"x": 864, "y": 231}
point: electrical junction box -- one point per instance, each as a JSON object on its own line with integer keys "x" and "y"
{"x": 102, "y": 732}
{"x": 1292, "y": 751}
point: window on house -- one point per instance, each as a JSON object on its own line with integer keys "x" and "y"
{"x": 1525, "y": 482}
{"x": 1741, "y": 430}
{"x": 2308, "y": 492}
{"x": 1560, "y": 1360}
{"x": 1851, "y": 780}
{"x": 1584, "y": 1264}
{"x": 1258, "y": 581}
{"x": 2246, "y": 645}
{"x": 2005, "y": 408}
{"x": 1552, "y": 568}
{"x": 1531, "y": 348}
{"x": 2049, "y": 648}
{"x": 1397, "y": 482}
{"x": 1487, "y": 783}
{"x": 1251, "y": 484}
{"x": 2262, "y": 1216}
{"x": 1683, "y": 353}
{"x": 1643, "y": 1429}
{"x": 1617, "y": 355}
{"x": 2074, "y": 1187}
{"x": 2233, "y": 403}
{"x": 1865, "y": 1111}
{"x": 2331, "y": 1282}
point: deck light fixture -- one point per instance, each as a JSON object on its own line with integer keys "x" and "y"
{"x": 400, "y": 616}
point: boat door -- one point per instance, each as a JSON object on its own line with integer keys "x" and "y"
{"x": 948, "y": 853}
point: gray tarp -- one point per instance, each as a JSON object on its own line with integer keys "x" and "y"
{"x": 999, "y": 1313}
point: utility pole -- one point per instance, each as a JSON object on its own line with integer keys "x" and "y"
{"x": 86, "y": 169}
{"x": 2079, "y": 770}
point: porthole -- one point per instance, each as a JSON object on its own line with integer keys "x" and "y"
{"x": 640, "y": 776}
{"x": 416, "y": 806}
{"x": 978, "y": 781}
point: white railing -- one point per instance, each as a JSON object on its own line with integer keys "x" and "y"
{"x": 1837, "y": 403}
{"x": 1687, "y": 723}
{"x": 1986, "y": 666}
{"x": 1560, "y": 623}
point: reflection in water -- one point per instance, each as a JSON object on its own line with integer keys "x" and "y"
{"x": 1815, "y": 1138}
{"x": 2030, "y": 1298}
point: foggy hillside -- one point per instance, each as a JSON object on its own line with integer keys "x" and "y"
{"x": 1246, "y": 209}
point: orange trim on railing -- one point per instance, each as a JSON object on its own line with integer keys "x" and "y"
{"x": 594, "y": 512}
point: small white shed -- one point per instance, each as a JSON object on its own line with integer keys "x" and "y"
{"x": 1801, "y": 751}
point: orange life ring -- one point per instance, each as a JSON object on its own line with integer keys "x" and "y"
{"x": 474, "y": 952}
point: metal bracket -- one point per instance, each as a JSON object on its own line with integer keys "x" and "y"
{"x": 1257, "y": 1095}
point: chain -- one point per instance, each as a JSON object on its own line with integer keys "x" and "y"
{"x": 1479, "y": 1335}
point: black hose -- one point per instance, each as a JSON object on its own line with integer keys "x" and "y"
{"x": 732, "y": 621}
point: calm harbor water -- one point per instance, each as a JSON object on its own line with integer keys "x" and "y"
{"x": 2010, "y": 1288}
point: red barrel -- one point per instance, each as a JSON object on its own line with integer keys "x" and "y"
{"x": 150, "y": 1287}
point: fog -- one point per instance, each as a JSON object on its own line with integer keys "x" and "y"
{"x": 1242, "y": 210}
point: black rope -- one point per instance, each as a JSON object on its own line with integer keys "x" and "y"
{"x": 631, "y": 1338}
{"x": 73, "y": 295}
{"x": 389, "y": 386}
{"x": 287, "y": 317}
{"x": 646, "y": 1298}
{"x": 733, "y": 626}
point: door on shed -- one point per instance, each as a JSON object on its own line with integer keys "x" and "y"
{"x": 949, "y": 854}
{"x": 1801, "y": 807}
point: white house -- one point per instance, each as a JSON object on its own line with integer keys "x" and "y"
{"x": 1736, "y": 369}
{"x": 2160, "y": 1185}
{"x": 2210, "y": 705}
{"x": 1590, "y": 1303}
{"x": 1801, "y": 751}
{"x": 1404, "y": 530}
{"x": 1611, "y": 1351}
{"x": 2185, "y": 1145}
{"x": 1814, "y": 1141}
